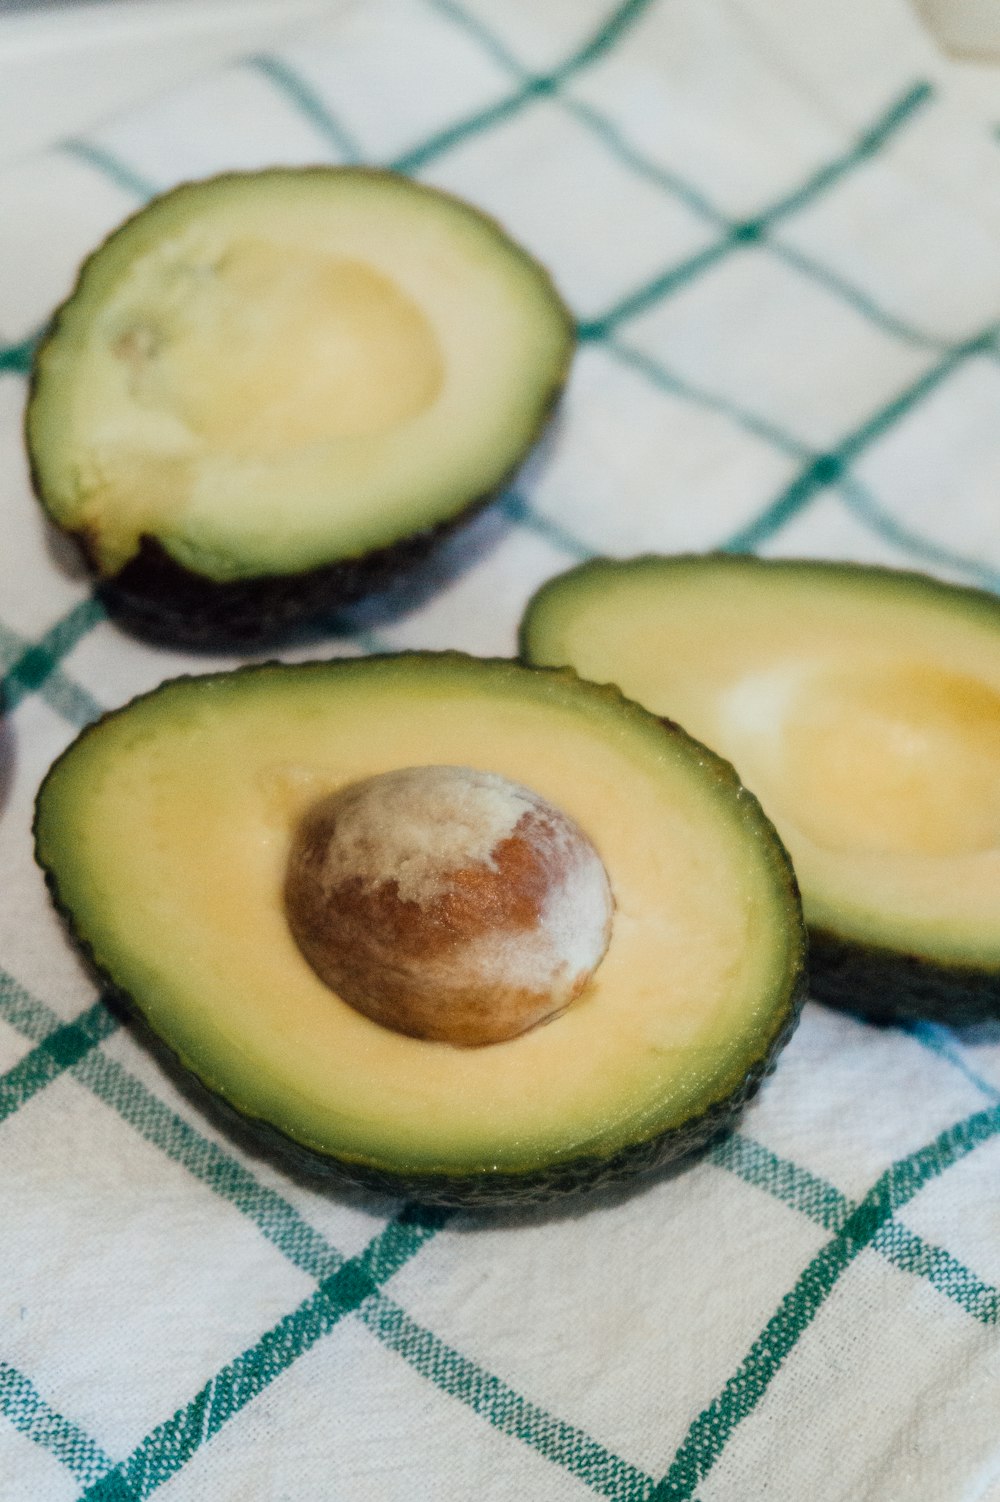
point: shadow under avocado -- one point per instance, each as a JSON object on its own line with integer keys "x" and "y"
{"x": 163, "y": 603}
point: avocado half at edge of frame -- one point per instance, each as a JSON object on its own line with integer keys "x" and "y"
{"x": 272, "y": 393}
{"x": 165, "y": 832}
{"x": 862, "y": 705}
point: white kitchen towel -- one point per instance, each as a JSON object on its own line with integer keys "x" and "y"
{"x": 781, "y": 241}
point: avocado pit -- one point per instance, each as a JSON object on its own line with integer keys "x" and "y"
{"x": 448, "y": 903}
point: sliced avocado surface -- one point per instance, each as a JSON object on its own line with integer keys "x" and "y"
{"x": 862, "y": 705}
{"x": 266, "y": 373}
{"x": 165, "y": 832}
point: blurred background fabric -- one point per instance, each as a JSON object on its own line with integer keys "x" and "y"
{"x": 66, "y": 63}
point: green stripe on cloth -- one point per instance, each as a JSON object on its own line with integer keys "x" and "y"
{"x": 25, "y": 1408}
{"x": 518, "y": 509}
{"x": 708, "y": 1435}
{"x": 294, "y": 88}
{"x": 938, "y": 1039}
{"x": 830, "y": 468}
{"x": 16, "y": 359}
{"x": 535, "y": 86}
{"x": 224, "y": 1175}
{"x": 655, "y": 291}
{"x": 866, "y": 509}
{"x": 75, "y": 705}
{"x": 34, "y": 665}
{"x": 504, "y": 1408}
{"x": 557, "y": 1441}
{"x": 163, "y": 1128}
{"x": 308, "y": 1250}
{"x": 172, "y": 1444}
{"x": 615, "y": 142}
{"x": 602, "y": 127}
{"x": 604, "y": 40}
{"x": 666, "y": 380}
{"x": 750, "y": 231}
{"x": 826, "y": 1206}
{"x": 487, "y": 39}
{"x": 20, "y": 1010}
{"x": 869, "y": 144}
{"x": 796, "y": 1187}
{"x": 688, "y": 194}
{"x": 56, "y": 1053}
{"x": 821, "y": 472}
{"x": 855, "y": 297}
{"x": 627, "y": 155}
{"x": 110, "y": 166}
{"x": 911, "y": 1254}
{"x": 607, "y": 36}
{"x": 411, "y": 161}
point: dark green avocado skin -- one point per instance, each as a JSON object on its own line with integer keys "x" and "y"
{"x": 157, "y": 598}
{"x": 574, "y": 1179}
{"x": 886, "y": 986}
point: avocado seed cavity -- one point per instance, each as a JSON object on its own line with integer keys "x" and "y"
{"x": 447, "y": 903}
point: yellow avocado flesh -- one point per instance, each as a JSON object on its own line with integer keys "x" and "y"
{"x": 167, "y": 830}
{"x": 861, "y": 706}
{"x": 271, "y": 371}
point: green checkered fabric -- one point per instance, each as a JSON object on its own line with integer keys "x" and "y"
{"x": 782, "y": 245}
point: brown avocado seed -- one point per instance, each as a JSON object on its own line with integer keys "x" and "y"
{"x": 448, "y": 903}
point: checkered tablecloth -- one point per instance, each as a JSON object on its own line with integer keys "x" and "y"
{"x": 782, "y": 244}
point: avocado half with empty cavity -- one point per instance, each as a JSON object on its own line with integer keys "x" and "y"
{"x": 271, "y": 392}
{"x": 862, "y": 705}
{"x": 177, "y": 835}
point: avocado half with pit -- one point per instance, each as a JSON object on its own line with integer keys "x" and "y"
{"x": 173, "y": 833}
{"x": 862, "y": 705}
{"x": 271, "y": 392}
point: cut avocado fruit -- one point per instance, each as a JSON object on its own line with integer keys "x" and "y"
{"x": 271, "y": 392}
{"x": 862, "y": 706}
{"x": 166, "y": 829}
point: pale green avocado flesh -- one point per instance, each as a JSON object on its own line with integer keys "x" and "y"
{"x": 862, "y": 705}
{"x": 165, "y": 832}
{"x": 269, "y": 372}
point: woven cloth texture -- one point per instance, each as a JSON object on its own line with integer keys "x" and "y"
{"x": 781, "y": 241}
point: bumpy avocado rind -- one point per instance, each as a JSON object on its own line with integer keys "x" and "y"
{"x": 888, "y": 986}
{"x": 271, "y": 393}
{"x": 862, "y": 705}
{"x": 580, "y": 1177}
{"x": 164, "y": 831}
{"x": 157, "y": 598}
